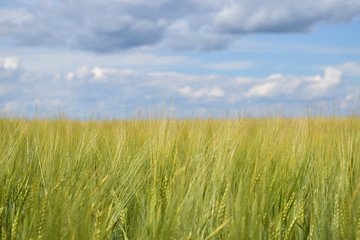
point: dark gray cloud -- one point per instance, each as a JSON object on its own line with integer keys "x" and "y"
{"x": 248, "y": 16}
{"x": 110, "y": 25}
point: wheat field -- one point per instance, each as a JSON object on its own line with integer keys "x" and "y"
{"x": 267, "y": 178}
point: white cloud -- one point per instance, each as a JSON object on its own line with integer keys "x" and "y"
{"x": 112, "y": 90}
{"x": 349, "y": 97}
{"x": 262, "y": 90}
{"x": 201, "y": 93}
{"x": 186, "y": 91}
{"x": 70, "y": 76}
{"x": 297, "y": 86}
{"x": 79, "y": 74}
{"x": 216, "y": 92}
{"x": 332, "y": 77}
{"x": 349, "y": 100}
{"x": 244, "y": 80}
{"x": 98, "y": 73}
{"x": 9, "y": 63}
{"x": 350, "y": 68}
{"x": 14, "y": 16}
{"x": 42, "y": 60}
{"x": 101, "y": 73}
{"x": 83, "y": 72}
{"x": 275, "y": 76}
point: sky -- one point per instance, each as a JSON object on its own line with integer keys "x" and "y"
{"x": 119, "y": 58}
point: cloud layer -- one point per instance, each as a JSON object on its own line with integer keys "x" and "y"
{"x": 113, "y": 91}
{"x": 111, "y": 25}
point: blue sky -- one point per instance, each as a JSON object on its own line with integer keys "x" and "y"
{"x": 114, "y": 58}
